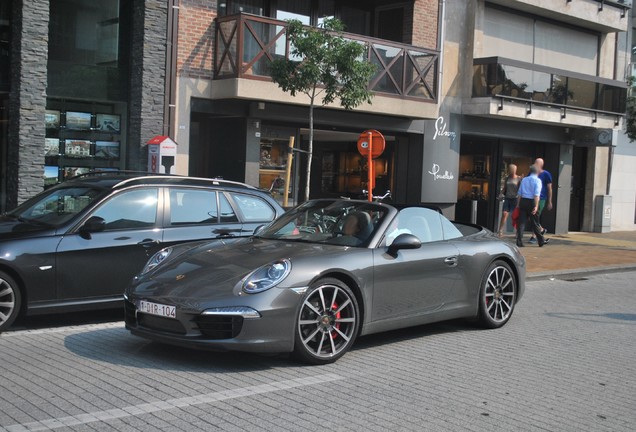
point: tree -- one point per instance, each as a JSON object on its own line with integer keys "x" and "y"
{"x": 324, "y": 66}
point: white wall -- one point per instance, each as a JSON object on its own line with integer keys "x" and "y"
{"x": 623, "y": 185}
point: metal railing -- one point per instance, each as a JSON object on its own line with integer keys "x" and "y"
{"x": 541, "y": 85}
{"x": 246, "y": 45}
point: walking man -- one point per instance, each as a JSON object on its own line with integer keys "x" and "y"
{"x": 528, "y": 203}
{"x": 545, "y": 200}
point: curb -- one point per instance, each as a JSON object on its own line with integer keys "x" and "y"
{"x": 562, "y": 274}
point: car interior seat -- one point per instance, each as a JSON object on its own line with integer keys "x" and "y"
{"x": 365, "y": 225}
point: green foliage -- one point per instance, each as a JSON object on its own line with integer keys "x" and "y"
{"x": 630, "y": 114}
{"x": 323, "y": 63}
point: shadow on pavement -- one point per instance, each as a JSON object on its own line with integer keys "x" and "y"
{"x": 118, "y": 346}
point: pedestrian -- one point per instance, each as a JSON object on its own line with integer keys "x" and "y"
{"x": 528, "y": 203}
{"x": 545, "y": 200}
{"x": 509, "y": 193}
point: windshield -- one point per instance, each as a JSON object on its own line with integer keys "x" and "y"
{"x": 55, "y": 206}
{"x": 341, "y": 222}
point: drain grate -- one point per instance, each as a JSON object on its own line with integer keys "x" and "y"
{"x": 576, "y": 279}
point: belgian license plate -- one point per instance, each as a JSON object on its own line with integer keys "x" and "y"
{"x": 157, "y": 309}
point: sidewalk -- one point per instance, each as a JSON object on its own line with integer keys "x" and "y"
{"x": 579, "y": 253}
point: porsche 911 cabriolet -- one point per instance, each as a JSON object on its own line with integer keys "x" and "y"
{"x": 322, "y": 274}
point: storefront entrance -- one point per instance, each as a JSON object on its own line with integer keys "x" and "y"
{"x": 338, "y": 170}
{"x": 483, "y": 167}
{"x": 577, "y": 192}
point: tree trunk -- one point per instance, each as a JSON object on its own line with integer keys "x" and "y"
{"x": 311, "y": 144}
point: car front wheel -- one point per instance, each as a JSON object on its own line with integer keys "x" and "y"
{"x": 10, "y": 301}
{"x": 327, "y": 323}
{"x": 497, "y": 295}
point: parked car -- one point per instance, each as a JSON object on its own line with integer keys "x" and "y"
{"x": 77, "y": 245}
{"x": 322, "y": 274}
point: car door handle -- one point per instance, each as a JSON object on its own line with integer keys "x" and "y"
{"x": 451, "y": 261}
{"x": 225, "y": 233}
{"x": 148, "y": 243}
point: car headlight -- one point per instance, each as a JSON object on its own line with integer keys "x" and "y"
{"x": 267, "y": 276}
{"x": 156, "y": 260}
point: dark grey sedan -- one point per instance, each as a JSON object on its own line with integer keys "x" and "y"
{"x": 322, "y": 274}
{"x": 76, "y": 246}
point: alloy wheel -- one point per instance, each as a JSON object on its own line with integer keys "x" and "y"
{"x": 327, "y": 322}
{"x": 499, "y": 293}
{"x": 9, "y": 303}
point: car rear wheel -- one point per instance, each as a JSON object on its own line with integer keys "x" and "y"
{"x": 10, "y": 301}
{"x": 327, "y": 323}
{"x": 497, "y": 295}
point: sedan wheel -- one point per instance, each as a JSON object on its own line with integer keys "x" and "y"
{"x": 327, "y": 324}
{"x": 10, "y": 301}
{"x": 497, "y": 295}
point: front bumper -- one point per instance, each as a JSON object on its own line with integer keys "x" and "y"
{"x": 264, "y": 323}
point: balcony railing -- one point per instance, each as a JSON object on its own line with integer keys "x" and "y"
{"x": 246, "y": 45}
{"x": 540, "y": 85}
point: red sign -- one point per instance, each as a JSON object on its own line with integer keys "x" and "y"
{"x": 377, "y": 143}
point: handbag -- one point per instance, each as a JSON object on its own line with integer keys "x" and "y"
{"x": 515, "y": 217}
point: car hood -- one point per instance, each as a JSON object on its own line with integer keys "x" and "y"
{"x": 11, "y": 228}
{"x": 211, "y": 271}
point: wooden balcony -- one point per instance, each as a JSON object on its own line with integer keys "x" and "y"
{"x": 246, "y": 45}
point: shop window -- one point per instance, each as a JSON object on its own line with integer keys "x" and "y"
{"x": 81, "y": 138}
{"x": 88, "y": 49}
{"x": 474, "y": 195}
{"x": 273, "y": 167}
{"x": 345, "y": 173}
{"x": 475, "y": 173}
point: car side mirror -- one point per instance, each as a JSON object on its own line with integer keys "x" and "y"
{"x": 258, "y": 229}
{"x": 404, "y": 241}
{"x": 92, "y": 225}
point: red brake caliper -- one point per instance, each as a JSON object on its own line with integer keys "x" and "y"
{"x": 334, "y": 334}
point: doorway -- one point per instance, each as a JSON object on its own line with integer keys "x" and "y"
{"x": 577, "y": 188}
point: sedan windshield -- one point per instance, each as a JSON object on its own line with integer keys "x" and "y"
{"x": 342, "y": 222}
{"x": 56, "y": 206}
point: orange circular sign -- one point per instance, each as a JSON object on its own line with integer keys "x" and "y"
{"x": 377, "y": 141}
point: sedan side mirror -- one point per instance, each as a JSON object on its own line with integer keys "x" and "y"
{"x": 404, "y": 241}
{"x": 258, "y": 229}
{"x": 92, "y": 225}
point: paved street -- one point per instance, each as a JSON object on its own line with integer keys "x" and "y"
{"x": 565, "y": 362}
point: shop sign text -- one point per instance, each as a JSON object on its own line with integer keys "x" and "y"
{"x": 441, "y": 129}
{"x": 435, "y": 172}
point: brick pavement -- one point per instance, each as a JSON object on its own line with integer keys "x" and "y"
{"x": 580, "y": 252}
{"x": 563, "y": 363}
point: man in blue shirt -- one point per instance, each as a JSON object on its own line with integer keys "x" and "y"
{"x": 528, "y": 203}
{"x": 545, "y": 200}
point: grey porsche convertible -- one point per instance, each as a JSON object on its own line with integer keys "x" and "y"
{"x": 321, "y": 275}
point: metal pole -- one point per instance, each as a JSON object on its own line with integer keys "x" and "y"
{"x": 290, "y": 156}
{"x": 370, "y": 167}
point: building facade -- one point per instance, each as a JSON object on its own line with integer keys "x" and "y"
{"x": 623, "y": 175}
{"x": 530, "y": 79}
{"x": 232, "y": 121}
{"x": 461, "y": 89}
{"x": 81, "y": 86}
